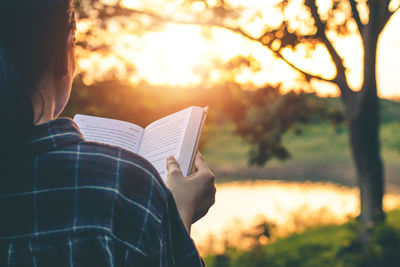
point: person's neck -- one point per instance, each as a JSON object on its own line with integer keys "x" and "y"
{"x": 44, "y": 101}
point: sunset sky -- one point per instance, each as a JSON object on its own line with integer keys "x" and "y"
{"x": 182, "y": 55}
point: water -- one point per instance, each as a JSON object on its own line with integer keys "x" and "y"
{"x": 291, "y": 206}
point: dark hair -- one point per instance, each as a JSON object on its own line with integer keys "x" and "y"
{"x": 32, "y": 35}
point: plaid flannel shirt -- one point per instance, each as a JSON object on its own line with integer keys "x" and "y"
{"x": 76, "y": 203}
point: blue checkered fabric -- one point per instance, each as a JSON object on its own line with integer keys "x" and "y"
{"x": 76, "y": 203}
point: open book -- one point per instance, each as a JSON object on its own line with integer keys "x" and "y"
{"x": 177, "y": 134}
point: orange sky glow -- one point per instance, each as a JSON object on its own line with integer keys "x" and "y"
{"x": 182, "y": 55}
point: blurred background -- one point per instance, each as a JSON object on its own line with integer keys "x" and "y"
{"x": 304, "y": 122}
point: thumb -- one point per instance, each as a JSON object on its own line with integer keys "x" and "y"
{"x": 200, "y": 163}
{"x": 173, "y": 166}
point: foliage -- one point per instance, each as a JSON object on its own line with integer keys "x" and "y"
{"x": 145, "y": 103}
{"x": 268, "y": 115}
{"x": 273, "y": 114}
{"x": 317, "y": 145}
{"x": 333, "y": 245}
{"x": 390, "y": 111}
{"x": 285, "y": 115}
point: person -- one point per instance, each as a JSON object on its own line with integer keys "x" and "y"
{"x": 66, "y": 201}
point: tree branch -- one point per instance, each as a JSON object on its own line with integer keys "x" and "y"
{"x": 306, "y": 74}
{"x": 385, "y": 13}
{"x": 390, "y": 14}
{"x": 277, "y": 53}
{"x": 340, "y": 78}
{"x": 356, "y": 16}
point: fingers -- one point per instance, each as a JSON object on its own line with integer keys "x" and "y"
{"x": 207, "y": 203}
{"x": 173, "y": 166}
{"x": 200, "y": 163}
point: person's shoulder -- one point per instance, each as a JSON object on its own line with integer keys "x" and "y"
{"x": 132, "y": 171}
{"x": 141, "y": 195}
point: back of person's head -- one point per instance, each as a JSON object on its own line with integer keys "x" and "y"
{"x": 32, "y": 40}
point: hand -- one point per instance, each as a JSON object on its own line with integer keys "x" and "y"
{"x": 195, "y": 194}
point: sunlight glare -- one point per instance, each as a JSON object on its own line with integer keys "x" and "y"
{"x": 182, "y": 54}
{"x": 171, "y": 58}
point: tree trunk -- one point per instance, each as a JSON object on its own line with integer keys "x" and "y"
{"x": 365, "y": 145}
{"x": 363, "y": 115}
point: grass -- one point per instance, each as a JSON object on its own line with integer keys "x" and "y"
{"x": 321, "y": 153}
{"x": 332, "y": 245}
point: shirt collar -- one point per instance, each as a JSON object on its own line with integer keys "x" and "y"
{"x": 53, "y": 135}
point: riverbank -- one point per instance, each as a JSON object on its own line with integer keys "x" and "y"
{"x": 331, "y": 245}
{"x": 288, "y": 207}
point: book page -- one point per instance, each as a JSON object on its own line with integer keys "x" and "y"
{"x": 113, "y": 132}
{"x": 163, "y": 138}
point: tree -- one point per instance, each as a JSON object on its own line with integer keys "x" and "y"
{"x": 361, "y": 108}
{"x": 367, "y": 18}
